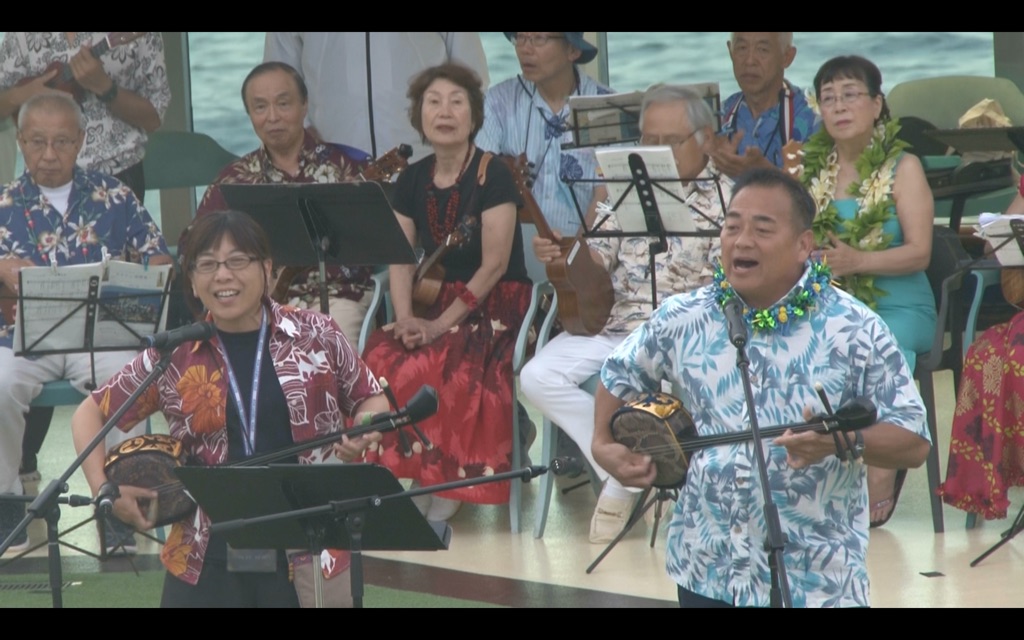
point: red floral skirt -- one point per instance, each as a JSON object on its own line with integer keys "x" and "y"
{"x": 986, "y": 452}
{"x": 471, "y": 368}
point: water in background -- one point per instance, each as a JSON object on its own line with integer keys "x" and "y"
{"x": 220, "y": 61}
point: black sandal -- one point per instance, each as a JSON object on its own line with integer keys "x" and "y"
{"x": 897, "y": 486}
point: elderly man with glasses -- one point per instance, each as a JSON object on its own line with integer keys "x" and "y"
{"x": 678, "y": 118}
{"x": 58, "y": 214}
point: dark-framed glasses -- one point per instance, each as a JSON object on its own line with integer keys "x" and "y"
{"x": 60, "y": 145}
{"x": 846, "y": 97}
{"x": 533, "y": 39}
{"x": 234, "y": 263}
{"x": 666, "y": 141}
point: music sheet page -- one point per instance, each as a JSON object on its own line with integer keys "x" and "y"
{"x": 53, "y": 314}
{"x": 661, "y": 165}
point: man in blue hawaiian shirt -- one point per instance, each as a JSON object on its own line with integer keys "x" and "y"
{"x": 768, "y": 112}
{"x": 57, "y": 214}
{"x": 801, "y": 331}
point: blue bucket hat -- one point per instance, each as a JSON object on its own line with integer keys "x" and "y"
{"x": 587, "y": 51}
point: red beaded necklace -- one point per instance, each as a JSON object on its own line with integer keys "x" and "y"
{"x": 440, "y": 228}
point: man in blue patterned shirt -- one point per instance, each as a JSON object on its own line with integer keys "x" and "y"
{"x": 57, "y": 214}
{"x": 768, "y": 112}
{"x": 817, "y": 334}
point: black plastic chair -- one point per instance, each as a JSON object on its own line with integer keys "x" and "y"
{"x": 947, "y": 278}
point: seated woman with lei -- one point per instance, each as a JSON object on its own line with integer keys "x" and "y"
{"x": 874, "y": 221}
{"x": 269, "y": 377}
{"x": 462, "y": 343}
{"x": 986, "y": 450}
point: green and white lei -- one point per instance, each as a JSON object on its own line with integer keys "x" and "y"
{"x": 873, "y": 192}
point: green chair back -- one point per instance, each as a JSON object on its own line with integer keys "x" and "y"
{"x": 176, "y": 159}
{"x": 943, "y": 100}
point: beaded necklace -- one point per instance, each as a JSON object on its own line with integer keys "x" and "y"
{"x": 440, "y": 228}
{"x": 782, "y": 315}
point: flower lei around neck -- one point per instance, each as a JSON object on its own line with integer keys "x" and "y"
{"x": 781, "y": 316}
{"x": 873, "y": 192}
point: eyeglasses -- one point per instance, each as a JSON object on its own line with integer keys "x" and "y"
{"x": 535, "y": 40}
{"x": 60, "y": 145}
{"x": 845, "y": 97}
{"x": 666, "y": 141}
{"x": 234, "y": 263}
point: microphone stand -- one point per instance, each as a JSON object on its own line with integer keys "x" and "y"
{"x": 775, "y": 543}
{"x": 47, "y": 504}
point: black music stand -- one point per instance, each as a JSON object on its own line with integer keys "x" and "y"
{"x": 337, "y": 506}
{"x": 314, "y": 225}
{"x": 978, "y": 177}
{"x": 642, "y": 187}
{"x": 110, "y": 317}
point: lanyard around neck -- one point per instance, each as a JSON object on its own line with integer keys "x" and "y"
{"x": 248, "y": 421}
{"x": 787, "y": 113}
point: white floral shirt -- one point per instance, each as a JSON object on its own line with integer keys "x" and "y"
{"x": 687, "y": 264}
{"x": 111, "y": 144}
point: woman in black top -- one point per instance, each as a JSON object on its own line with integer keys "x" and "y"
{"x": 462, "y": 343}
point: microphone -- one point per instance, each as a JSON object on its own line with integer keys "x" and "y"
{"x": 566, "y": 466}
{"x": 734, "y": 318}
{"x": 422, "y": 405}
{"x": 106, "y": 497}
{"x": 174, "y": 337}
{"x": 561, "y": 466}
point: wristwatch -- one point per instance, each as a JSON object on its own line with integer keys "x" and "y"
{"x": 109, "y": 95}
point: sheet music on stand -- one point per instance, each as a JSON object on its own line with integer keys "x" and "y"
{"x": 675, "y": 213}
{"x": 101, "y": 306}
{"x": 615, "y": 118}
{"x": 1006, "y": 235}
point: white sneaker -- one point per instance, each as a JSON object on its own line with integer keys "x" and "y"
{"x": 610, "y": 518}
{"x": 422, "y": 502}
{"x": 442, "y": 509}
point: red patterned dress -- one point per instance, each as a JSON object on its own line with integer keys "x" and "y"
{"x": 470, "y": 365}
{"x": 986, "y": 453}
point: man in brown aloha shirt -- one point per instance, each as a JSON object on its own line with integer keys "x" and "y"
{"x": 276, "y": 100}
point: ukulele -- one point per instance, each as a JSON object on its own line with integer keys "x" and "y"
{"x": 584, "y": 286}
{"x": 429, "y": 275}
{"x": 380, "y": 170}
{"x": 65, "y": 78}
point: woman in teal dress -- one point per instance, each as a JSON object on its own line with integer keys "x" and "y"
{"x": 875, "y": 218}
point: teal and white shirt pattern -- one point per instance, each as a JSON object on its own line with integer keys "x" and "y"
{"x": 717, "y": 533}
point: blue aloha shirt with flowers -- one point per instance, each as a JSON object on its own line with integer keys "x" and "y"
{"x": 102, "y": 212}
{"x": 717, "y": 533}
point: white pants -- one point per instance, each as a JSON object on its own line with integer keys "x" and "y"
{"x": 21, "y": 380}
{"x": 551, "y": 382}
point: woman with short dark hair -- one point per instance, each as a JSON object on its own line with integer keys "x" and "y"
{"x": 270, "y": 377}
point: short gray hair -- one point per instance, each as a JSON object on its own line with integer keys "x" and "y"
{"x": 697, "y": 110}
{"x": 785, "y": 39}
{"x": 51, "y": 101}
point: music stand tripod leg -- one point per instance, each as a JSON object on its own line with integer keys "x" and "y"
{"x": 1009, "y": 534}
{"x": 637, "y": 515}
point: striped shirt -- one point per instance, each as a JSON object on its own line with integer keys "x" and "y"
{"x": 518, "y": 120}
